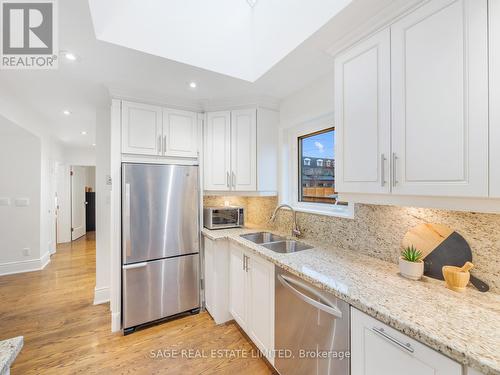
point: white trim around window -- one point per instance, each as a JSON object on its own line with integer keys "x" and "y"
{"x": 289, "y": 179}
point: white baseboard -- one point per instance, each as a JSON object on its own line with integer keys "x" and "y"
{"x": 101, "y": 295}
{"x": 116, "y": 322}
{"x": 25, "y": 265}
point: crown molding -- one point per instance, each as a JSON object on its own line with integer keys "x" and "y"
{"x": 155, "y": 99}
{"x": 384, "y": 18}
{"x": 204, "y": 105}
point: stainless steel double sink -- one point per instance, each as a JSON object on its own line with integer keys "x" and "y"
{"x": 275, "y": 243}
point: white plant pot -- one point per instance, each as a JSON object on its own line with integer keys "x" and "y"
{"x": 411, "y": 270}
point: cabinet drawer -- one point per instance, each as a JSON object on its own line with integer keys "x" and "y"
{"x": 377, "y": 348}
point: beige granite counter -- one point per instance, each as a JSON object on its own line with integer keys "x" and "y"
{"x": 9, "y": 349}
{"x": 465, "y": 327}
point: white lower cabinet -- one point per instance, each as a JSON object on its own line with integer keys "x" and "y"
{"x": 379, "y": 349}
{"x": 216, "y": 279}
{"x": 251, "y": 297}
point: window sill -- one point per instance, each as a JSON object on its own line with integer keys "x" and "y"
{"x": 346, "y": 212}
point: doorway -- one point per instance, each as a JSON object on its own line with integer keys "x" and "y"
{"x": 82, "y": 188}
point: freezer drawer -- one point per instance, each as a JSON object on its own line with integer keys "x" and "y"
{"x": 160, "y": 211}
{"x": 160, "y": 288}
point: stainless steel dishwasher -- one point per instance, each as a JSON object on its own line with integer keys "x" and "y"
{"x": 311, "y": 329}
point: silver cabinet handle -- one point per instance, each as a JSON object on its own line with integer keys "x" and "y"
{"x": 228, "y": 183}
{"x": 233, "y": 179}
{"x": 287, "y": 283}
{"x": 382, "y": 169}
{"x": 394, "y": 169}
{"x": 126, "y": 222}
{"x": 381, "y": 332}
{"x": 159, "y": 145}
{"x": 246, "y": 263}
{"x": 164, "y": 144}
{"x": 135, "y": 265}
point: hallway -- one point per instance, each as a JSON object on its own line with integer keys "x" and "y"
{"x": 64, "y": 333}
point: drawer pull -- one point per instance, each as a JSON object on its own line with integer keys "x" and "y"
{"x": 381, "y": 332}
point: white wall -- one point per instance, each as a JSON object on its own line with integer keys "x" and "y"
{"x": 19, "y": 178}
{"x": 103, "y": 206}
{"x": 13, "y": 109}
{"x": 80, "y": 156}
{"x": 313, "y": 101}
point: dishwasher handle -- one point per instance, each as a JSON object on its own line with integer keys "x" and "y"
{"x": 287, "y": 282}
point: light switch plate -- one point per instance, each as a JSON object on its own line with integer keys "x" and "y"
{"x": 22, "y": 202}
{"x": 4, "y": 201}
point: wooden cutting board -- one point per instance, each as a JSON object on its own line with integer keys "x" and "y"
{"x": 440, "y": 246}
{"x": 426, "y": 237}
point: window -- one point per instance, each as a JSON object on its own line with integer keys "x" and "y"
{"x": 317, "y": 175}
{"x": 305, "y": 185}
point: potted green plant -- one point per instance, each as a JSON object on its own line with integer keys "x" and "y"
{"x": 411, "y": 264}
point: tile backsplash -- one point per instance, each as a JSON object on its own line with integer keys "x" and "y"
{"x": 378, "y": 230}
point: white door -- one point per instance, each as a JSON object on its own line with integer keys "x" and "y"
{"x": 209, "y": 273}
{"x": 261, "y": 304}
{"x": 141, "y": 129}
{"x": 180, "y": 133}
{"x": 244, "y": 150}
{"x": 217, "y": 151}
{"x": 363, "y": 116}
{"x": 378, "y": 349}
{"x": 237, "y": 286}
{"x": 78, "y": 178}
{"x": 440, "y": 100}
{"x": 494, "y": 16}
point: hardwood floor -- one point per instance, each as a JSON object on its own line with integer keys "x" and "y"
{"x": 65, "y": 333}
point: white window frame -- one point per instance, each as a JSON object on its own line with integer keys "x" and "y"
{"x": 289, "y": 181}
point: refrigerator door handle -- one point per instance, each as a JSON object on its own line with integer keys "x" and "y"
{"x": 135, "y": 265}
{"x": 126, "y": 222}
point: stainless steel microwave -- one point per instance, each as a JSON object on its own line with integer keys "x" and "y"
{"x": 223, "y": 217}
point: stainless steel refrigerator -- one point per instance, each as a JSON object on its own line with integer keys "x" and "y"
{"x": 160, "y": 243}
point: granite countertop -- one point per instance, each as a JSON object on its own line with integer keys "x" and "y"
{"x": 463, "y": 326}
{"x": 9, "y": 349}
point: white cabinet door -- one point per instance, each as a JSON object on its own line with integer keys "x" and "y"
{"x": 261, "y": 303}
{"x": 440, "y": 100}
{"x": 244, "y": 150}
{"x": 237, "y": 286}
{"x": 378, "y": 349}
{"x": 141, "y": 129}
{"x": 180, "y": 133}
{"x": 494, "y": 16}
{"x": 363, "y": 116}
{"x": 209, "y": 282}
{"x": 217, "y": 151}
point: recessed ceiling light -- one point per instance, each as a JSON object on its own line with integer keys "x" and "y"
{"x": 93, "y": 144}
{"x": 192, "y": 84}
{"x": 67, "y": 112}
{"x": 70, "y": 56}
{"x": 84, "y": 132}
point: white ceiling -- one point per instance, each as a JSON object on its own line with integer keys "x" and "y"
{"x": 224, "y": 36}
{"x": 82, "y": 86}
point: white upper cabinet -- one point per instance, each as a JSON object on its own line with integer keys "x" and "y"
{"x": 244, "y": 150}
{"x": 494, "y": 16}
{"x": 241, "y": 151}
{"x": 363, "y": 116}
{"x": 217, "y": 151}
{"x": 440, "y": 100}
{"x": 141, "y": 129}
{"x": 155, "y": 131}
{"x": 180, "y": 133}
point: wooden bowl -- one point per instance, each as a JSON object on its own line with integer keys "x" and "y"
{"x": 456, "y": 278}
